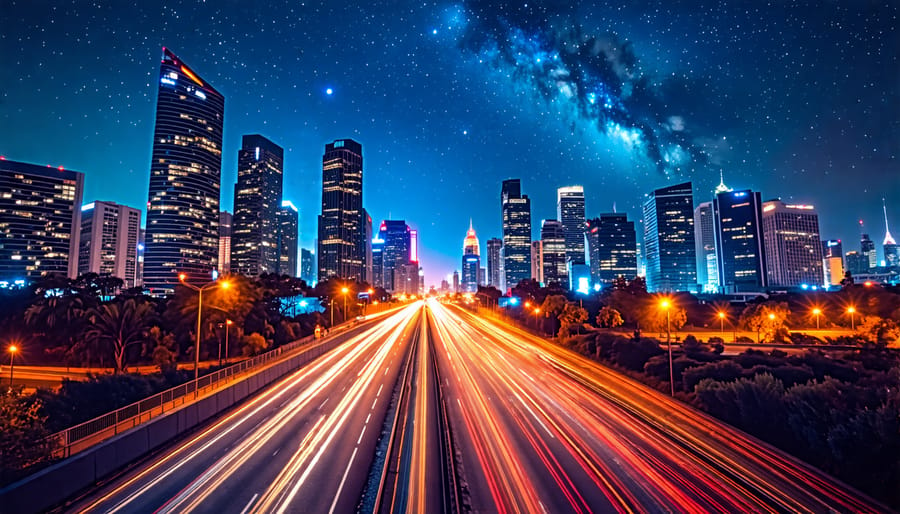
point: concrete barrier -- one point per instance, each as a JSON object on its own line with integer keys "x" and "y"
{"x": 53, "y": 485}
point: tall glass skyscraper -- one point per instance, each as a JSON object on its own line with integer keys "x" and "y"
{"x": 257, "y": 200}
{"x": 570, "y": 212}
{"x": 793, "y": 245}
{"x": 40, "y": 221}
{"x": 516, "y": 215}
{"x": 669, "y": 239}
{"x": 185, "y": 173}
{"x": 471, "y": 261}
{"x": 395, "y": 250}
{"x": 553, "y": 250}
{"x": 612, "y": 243}
{"x": 342, "y": 249}
{"x": 288, "y": 235}
{"x": 739, "y": 242}
{"x": 705, "y": 246}
{"x": 494, "y": 268}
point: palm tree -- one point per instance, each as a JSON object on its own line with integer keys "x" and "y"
{"x": 121, "y": 324}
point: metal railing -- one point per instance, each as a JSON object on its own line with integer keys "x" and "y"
{"x": 93, "y": 431}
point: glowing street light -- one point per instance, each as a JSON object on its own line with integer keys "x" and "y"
{"x": 851, "y": 311}
{"x": 224, "y": 284}
{"x": 817, "y": 312}
{"x": 228, "y": 324}
{"x": 722, "y": 321}
{"x": 12, "y": 353}
{"x": 665, "y": 305}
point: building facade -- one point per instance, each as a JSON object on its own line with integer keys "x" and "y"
{"x": 889, "y": 246}
{"x": 537, "y": 261}
{"x": 553, "y": 250}
{"x": 257, "y": 204}
{"x": 833, "y": 261}
{"x": 110, "y": 234}
{"x": 739, "y": 242}
{"x": 288, "y": 238}
{"x": 612, "y": 243}
{"x": 570, "y": 212}
{"x": 342, "y": 249}
{"x": 471, "y": 261}
{"x": 516, "y": 217}
{"x": 494, "y": 268}
{"x": 185, "y": 177}
{"x": 395, "y": 252}
{"x": 793, "y": 244}
{"x": 705, "y": 247}
{"x": 669, "y": 253}
{"x": 40, "y": 221}
{"x": 867, "y": 250}
{"x": 307, "y": 266}
{"x": 225, "y": 220}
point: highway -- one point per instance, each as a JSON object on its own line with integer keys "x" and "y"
{"x": 434, "y": 409}
{"x": 304, "y": 445}
{"x": 542, "y": 429}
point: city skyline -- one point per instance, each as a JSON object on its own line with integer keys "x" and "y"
{"x": 776, "y": 146}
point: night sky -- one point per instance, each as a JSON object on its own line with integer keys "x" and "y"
{"x": 800, "y": 100}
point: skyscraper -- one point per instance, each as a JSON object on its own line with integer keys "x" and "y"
{"x": 739, "y": 242}
{"x": 185, "y": 169}
{"x": 367, "y": 241}
{"x": 705, "y": 238}
{"x": 833, "y": 261}
{"x": 109, "y": 241}
{"x": 669, "y": 239}
{"x": 537, "y": 261}
{"x": 867, "y": 249}
{"x": 378, "y": 260}
{"x": 342, "y": 249}
{"x": 612, "y": 243}
{"x": 287, "y": 239}
{"x": 493, "y": 261}
{"x": 793, "y": 245}
{"x": 471, "y": 261}
{"x": 890, "y": 246}
{"x": 307, "y": 266}
{"x": 225, "y": 220}
{"x": 396, "y": 252}
{"x": 553, "y": 249}
{"x": 40, "y": 220}
{"x": 516, "y": 216}
{"x": 570, "y": 212}
{"x": 257, "y": 200}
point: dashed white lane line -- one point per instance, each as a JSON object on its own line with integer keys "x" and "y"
{"x": 247, "y": 507}
{"x": 361, "y": 434}
{"x": 323, "y": 403}
{"x": 379, "y": 390}
{"x": 343, "y": 480}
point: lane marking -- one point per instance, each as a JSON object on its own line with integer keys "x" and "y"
{"x": 323, "y": 403}
{"x": 367, "y": 418}
{"x": 247, "y": 508}
{"x": 361, "y": 434}
{"x": 379, "y": 390}
{"x": 276, "y": 452}
{"x": 343, "y": 480}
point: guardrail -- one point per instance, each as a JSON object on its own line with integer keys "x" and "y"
{"x": 86, "y": 434}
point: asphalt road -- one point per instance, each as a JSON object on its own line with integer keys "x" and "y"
{"x": 542, "y": 429}
{"x": 304, "y": 445}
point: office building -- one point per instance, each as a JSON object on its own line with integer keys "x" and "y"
{"x": 705, "y": 247}
{"x": 612, "y": 243}
{"x": 378, "y": 260}
{"x": 456, "y": 281}
{"x": 671, "y": 262}
{"x": 570, "y": 213}
{"x": 288, "y": 239}
{"x": 739, "y": 242}
{"x": 553, "y": 250}
{"x": 494, "y": 268}
{"x": 867, "y": 249}
{"x": 393, "y": 249}
{"x": 342, "y": 249}
{"x": 856, "y": 263}
{"x": 185, "y": 176}
{"x": 307, "y": 266}
{"x": 110, "y": 235}
{"x": 225, "y": 220}
{"x": 257, "y": 200}
{"x": 139, "y": 270}
{"x": 793, "y": 247}
{"x": 471, "y": 261}
{"x": 537, "y": 261}
{"x": 516, "y": 217}
{"x": 890, "y": 246}
{"x": 833, "y": 261}
{"x": 40, "y": 221}
{"x": 367, "y": 241}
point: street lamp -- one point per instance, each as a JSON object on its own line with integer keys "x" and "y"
{"x": 665, "y": 304}
{"x": 224, "y": 285}
{"x": 228, "y": 324}
{"x": 851, "y": 311}
{"x": 722, "y": 322}
{"x": 12, "y": 353}
{"x": 344, "y": 291}
{"x": 816, "y": 312}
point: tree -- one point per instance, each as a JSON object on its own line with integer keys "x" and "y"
{"x": 254, "y": 344}
{"x": 766, "y": 319}
{"x": 121, "y": 324}
{"x": 884, "y": 331}
{"x": 653, "y": 317}
{"x": 554, "y": 304}
{"x": 609, "y": 318}
{"x": 23, "y": 436}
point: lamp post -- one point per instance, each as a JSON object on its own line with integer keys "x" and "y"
{"x": 722, "y": 323}
{"x": 771, "y": 318}
{"x": 816, "y": 312}
{"x": 12, "y": 354}
{"x": 344, "y": 291}
{"x": 851, "y": 311}
{"x": 224, "y": 285}
{"x": 228, "y": 324}
{"x": 666, "y": 305}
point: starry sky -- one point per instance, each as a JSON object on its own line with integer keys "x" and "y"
{"x": 800, "y": 100}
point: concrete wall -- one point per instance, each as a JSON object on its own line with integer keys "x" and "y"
{"x": 53, "y": 485}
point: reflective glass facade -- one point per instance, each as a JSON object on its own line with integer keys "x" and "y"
{"x": 669, "y": 239}
{"x": 570, "y": 212}
{"x": 553, "y": 251}
{"x": 612, "y": 243}
{"x": 516, "y": 217}
{"x": 793, "y": 245}
{"x": 342, "y": 249}
{"x": 288, "y": 239}
{"x": 739, "y": 242}
{"x": 257, "y": 201}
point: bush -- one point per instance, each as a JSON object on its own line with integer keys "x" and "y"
{"x": 634, "y": 355}
{"x": 724, "y": 371}
{"x": 753, "y": 405}
{"x": 23, "y": 436}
